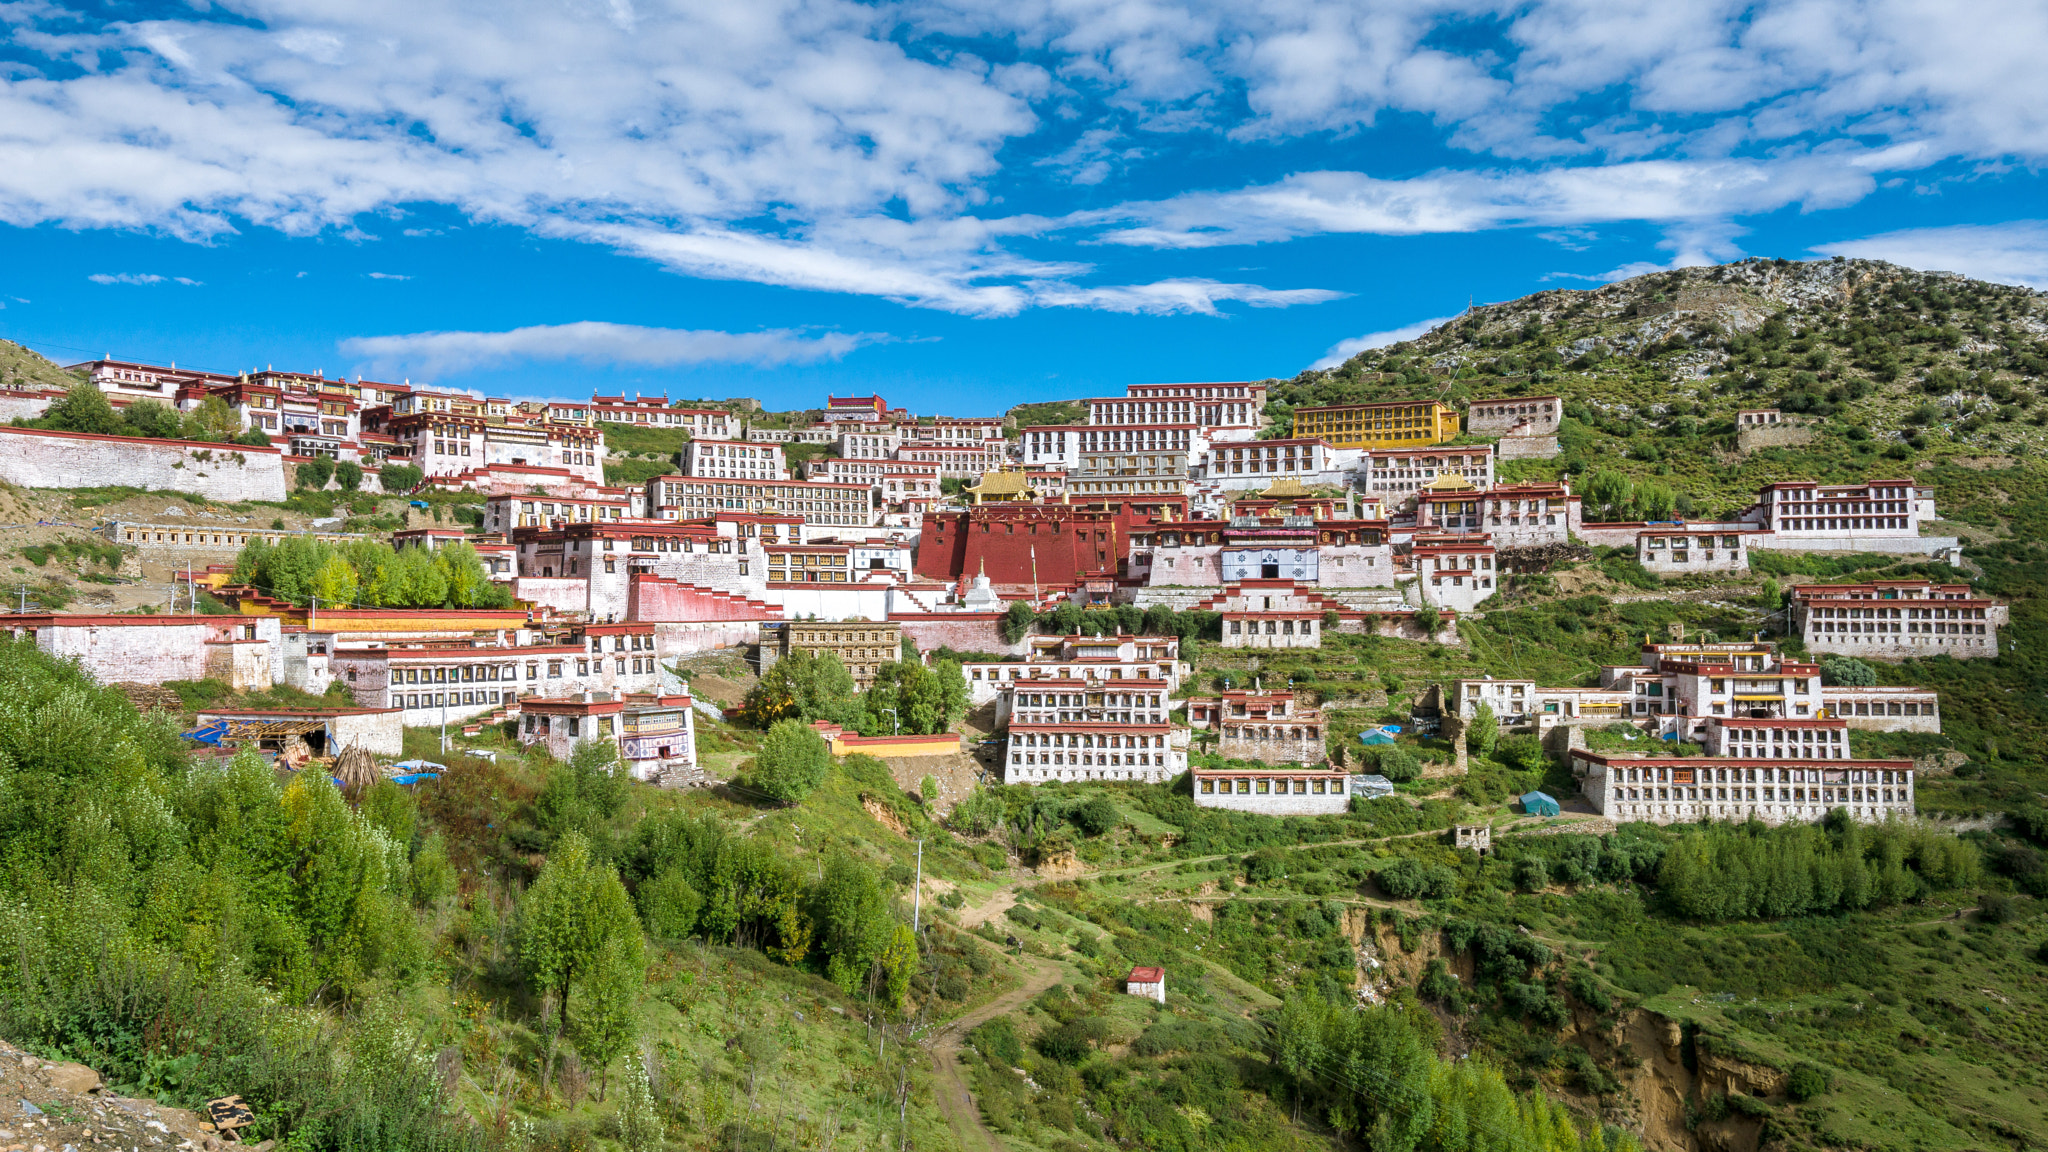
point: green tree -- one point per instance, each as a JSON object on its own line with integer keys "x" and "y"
{"x": 153, "y": 418}
{"x": 462, "y": 574}
{"x": 314, "y": 473}
{"x": 608, "y": 1015}
{"x": 851, "y": 915}
{"x": 212, "y": 419}
{"x": 1610, "y": 492}
{"x": 928, "y": 790}
{"x": 952, "y": 692}
{"x": 335, "y": 583}
{"x": 1654, "y": 501}
{"x": 572, "y": 909}
{"x": 641, "y": 1127}
{"x": 1484, "y": 732}
{"x": 801, "y": 686}
{"x": 1427, "y": 619}
{"x": 1018, "y": 619}
{"x": 792, "y": 762}
{"x": 84, "y": 408}
{"x": 1847, "y": 672}
{"x": 399, "y": 477}
{"x": 348, "y": 474}
{"x": 1397, "y": 763}
{"x": 669, "y": 904}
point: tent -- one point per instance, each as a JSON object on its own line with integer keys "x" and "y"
{"x": 1539, "y": 804}
{"x": 1371, "y": 786}
{"x": 1375, "y": 737}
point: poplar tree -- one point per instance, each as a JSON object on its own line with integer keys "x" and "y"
{"x": 574, "y": 907}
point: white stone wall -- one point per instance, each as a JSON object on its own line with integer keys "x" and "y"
{"x": 1939, "y": 546}
{"x": 830, "y": 601}
{"x": 1664, "y": 560}
{"x": 153, "y": 653}
{"x": 1961, "y": 639}
{"x": 1201, "y": 566}
{"x": 1777, "y": 795}
{"x": 1111, "y": 755}
{"x": 1884, "y": 709}
{"x": 704, "y": 636}
{"x": 1501, "y": 414}
{"x": 1526, "y": 448}
{"x": 36, "y": 459}
{"x": 16, "y": 404}
{"x": 1459, "y": 589}
{"x": 1271, "y": 632}
{"x": 1334, "y": 800}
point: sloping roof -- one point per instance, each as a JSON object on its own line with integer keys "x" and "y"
{"x": 1003, "y": 482}
{"x": 1449, "y": 482}
{"x": 1283, "y": 488}
{"x": 1146, "y": 975}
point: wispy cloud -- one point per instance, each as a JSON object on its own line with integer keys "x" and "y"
{"x": 598, "y": 342}
{"x": 826, "y": 145}
{"x": 2010, "y": 253}
{"x": 143, "y": 278}
{"x": 387, "y": 276}
{"x": 1313, "y": 203}
{"x": 1176, "y": 297}
{"x": 1344, "y": 350}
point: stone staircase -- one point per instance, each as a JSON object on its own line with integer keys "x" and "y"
{"x": 475, "y": 725}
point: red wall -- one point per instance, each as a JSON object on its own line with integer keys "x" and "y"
{"x": 1072, "y": 542}
{"x": 962, "y": 632}
{"x": 652, "y": 598}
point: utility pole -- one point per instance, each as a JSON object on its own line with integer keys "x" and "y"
{"x": 917, "y": 892}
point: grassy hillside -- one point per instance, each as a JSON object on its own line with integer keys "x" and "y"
{"x": 22, "y": 367}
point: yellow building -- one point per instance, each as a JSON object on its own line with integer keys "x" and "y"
{"x": 1399, "y": 424}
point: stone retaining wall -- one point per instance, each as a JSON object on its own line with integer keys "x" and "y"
{"x": 33, "y": 458}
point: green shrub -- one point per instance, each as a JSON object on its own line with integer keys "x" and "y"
{"x": 1806, "y": 1082}
{"x": 997, "y": 1042}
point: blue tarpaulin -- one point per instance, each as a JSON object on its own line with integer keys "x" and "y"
{"x": 1539, "y": 804}
{"x": 1375, "y": 737}
{"x": 209, "y": 734}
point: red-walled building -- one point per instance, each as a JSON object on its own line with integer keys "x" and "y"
{"x": 1046, "y": 544}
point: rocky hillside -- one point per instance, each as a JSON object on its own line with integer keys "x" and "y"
{"x": 23, "y": 368}
{"x": 1879, "y": 362}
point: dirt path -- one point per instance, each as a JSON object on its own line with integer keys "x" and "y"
{"x": 963, "y": 1115}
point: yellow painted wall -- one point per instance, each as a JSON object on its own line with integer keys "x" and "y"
{"x": 1406, "y": 424}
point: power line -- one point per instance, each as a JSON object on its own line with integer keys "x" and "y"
{"x": 25, "y": 341}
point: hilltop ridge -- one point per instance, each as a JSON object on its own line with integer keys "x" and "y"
{"x": 1899, "y": 351}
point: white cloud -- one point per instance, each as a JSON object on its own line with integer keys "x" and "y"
{"x": 2011, "y": 253}
{"x": 598, "y": 342}
{"x": 1344, "y": 350}
{"x": 1175, "y": 297}
{"x": 387, "y": 276}
{"x": 1311, "y": 203}
{"x": 840, "y": 146}
{"x": 140, "y": 278}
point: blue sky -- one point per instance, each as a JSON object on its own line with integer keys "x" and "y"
{"x": 961, "y": 204}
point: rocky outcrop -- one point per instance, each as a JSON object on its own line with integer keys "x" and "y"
{"x": 55, "y": 1104}
{"x": 1677, "y": 1073}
